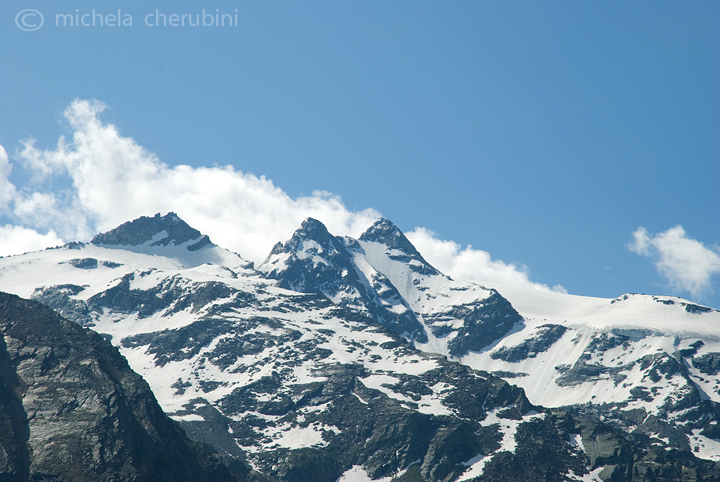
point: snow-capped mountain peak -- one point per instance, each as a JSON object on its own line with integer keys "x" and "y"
{"x": 154, "y": 231}
{"x": 315, "y": 261}
{"x": 311, "y": 243}
{"x": 312, "y": 229}
{"x": 167, "y": 238}
{"x": 398, "y": 247}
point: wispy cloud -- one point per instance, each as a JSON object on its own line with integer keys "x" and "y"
{"x": 686, "y": 263}
{"x": 114, "y": 179}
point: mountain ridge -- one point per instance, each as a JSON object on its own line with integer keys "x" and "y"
{"x": 262, "y": 363}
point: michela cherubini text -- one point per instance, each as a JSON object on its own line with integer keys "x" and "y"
{"x": 158, "y": 18}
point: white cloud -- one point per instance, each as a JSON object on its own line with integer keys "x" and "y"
{"x": 18, "y": 240}
{"x": 115, "y": 180}
{"x": 7, "y": 190}
{"x": 471, "y": 264}
{"x": 686, "y": 263}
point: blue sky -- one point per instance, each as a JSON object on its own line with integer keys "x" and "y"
{"x": 542, "y": 133}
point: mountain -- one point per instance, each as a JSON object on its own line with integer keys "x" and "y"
{"x": 314, "y": 261}
{"x": 347, "y": 359}
{"x": 383, "y": 275}
{"x": 71, "y": 409}
{"x": 156, "y": 231}
{"x": 168, "y": 238}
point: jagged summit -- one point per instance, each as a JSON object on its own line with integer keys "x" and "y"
{"x": 311, "y": 243}
{"x": 384, "y": 232}
{"x": 154, "y": 231}
{"x": 310, "y": 240}
{"x": 314, "y": 230}
{"x": 312, "y": 226}
{"x": 315, "y": 261}
{"x": 310, "y": 231}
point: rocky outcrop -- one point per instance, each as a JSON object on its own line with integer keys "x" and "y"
{"x": 71, "y": 409}
{"x": 484, "y": 322}
{"x": 530, "y": 348}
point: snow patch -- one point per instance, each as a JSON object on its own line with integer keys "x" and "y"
{"x": 190, "y": 417}
{"x": 704, "y": 447}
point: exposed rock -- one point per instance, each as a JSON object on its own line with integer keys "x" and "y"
{"x": 709, "y": 363}
{"x": 305, "y": 368}
{"x": 484, "y": 322}
{"x": 71, "y": 409}
{"x": 60, "y": 298}
{"x": 546, "y": 336}
{"x": 84, "y": 263}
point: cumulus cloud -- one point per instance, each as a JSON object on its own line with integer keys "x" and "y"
{"x": 18, "y": 240}
{"x": 469, "y": 263}
{"x": 113, "y": 179}
{"x": 686, "y": 263}
{"x": 7, "y": 189}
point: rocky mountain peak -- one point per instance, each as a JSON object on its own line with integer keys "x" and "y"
{"x": 157, "y": 231}
{"x": 383, "y": 231}
{"x": 311, "y": 239}
{"x": 313, "y": 230}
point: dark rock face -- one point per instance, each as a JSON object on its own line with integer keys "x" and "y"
{"x": 318, "y": 267}
{"x": 387, "y": 436}
{"x": 692, "y": 351}
{"x": 91, "y": 263}
{"x": 546, "y": 337}
{"x": 71, "y": 409}
{"x": 709, "y": 363}
{"x": 172, "y": 295}
{"x": 314, "y": 261}
{"x": 84, "y": 263}
{"x": 143, "y": 229}
{"x": 484, "y": 322}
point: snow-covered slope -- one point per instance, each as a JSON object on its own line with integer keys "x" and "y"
{"x": 312, "y": 353}
{"x": 459, "y": 316}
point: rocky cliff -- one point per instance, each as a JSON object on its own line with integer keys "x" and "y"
{"x": 71, "y": 409}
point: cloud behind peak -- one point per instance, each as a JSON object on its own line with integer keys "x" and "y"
{"x": 686, "y": 264}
